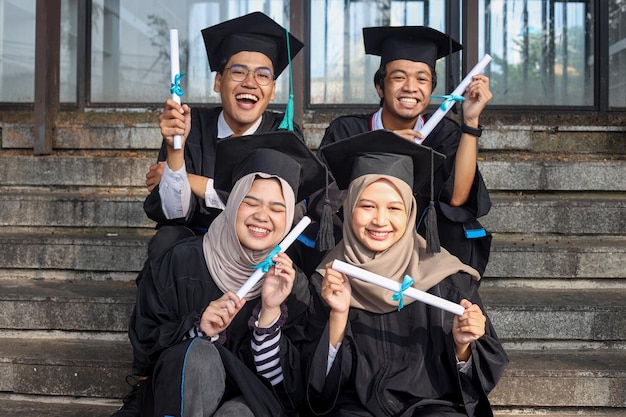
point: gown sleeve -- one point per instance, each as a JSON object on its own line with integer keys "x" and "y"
{"x": 445, "y": 139}
{"x": 488, "y": 356}
{"x": 169, "y": 302}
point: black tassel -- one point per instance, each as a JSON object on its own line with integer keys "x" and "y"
{"x": 326, "y": 240}
{"x": 326, "y": 237}
{"x": 432, "y": 231}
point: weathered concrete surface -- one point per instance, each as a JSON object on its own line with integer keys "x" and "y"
{"x": 66, "y": 305}
{"x": 563, "y": 379}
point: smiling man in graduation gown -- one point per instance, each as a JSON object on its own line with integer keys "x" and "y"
{"x": 248, "y": 53}
{"x": 404, "y": 82}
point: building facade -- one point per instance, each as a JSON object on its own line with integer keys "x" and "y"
{"x": 553, "y": 57}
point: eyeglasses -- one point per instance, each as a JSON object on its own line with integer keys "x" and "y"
{"x": 263, "y": 76}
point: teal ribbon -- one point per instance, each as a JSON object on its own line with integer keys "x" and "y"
{"x": 175, "y": 89}
{"x": 267, "y": 263}
{"x": 287, "y": 122}
{"x": 399, "y": 296}
{"x": 449, "y": 101}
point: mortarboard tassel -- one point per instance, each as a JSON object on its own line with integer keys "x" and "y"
{"x": 287, "y": 122}
{"x": 326, "y": 239}
{"x": 432, "y": 231}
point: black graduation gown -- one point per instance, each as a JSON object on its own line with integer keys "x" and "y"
{"x": 170, "y": 304}
{"x": 391, "y": 364}
{"x": 451, "y": 221}
{"x": 200, "y": 160}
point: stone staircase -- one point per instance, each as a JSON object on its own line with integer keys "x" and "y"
{"x": 73, "y": 236}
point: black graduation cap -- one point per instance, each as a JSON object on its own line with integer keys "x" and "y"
{"x": 380, "y": 152}
{"x": 415, "y": 43}
{"x": 254, "y": 32}
{"x": 279, "y": 153}
{"x": 384, "y": 152}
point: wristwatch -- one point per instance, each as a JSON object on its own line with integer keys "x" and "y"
{"x": 472, "y": 130}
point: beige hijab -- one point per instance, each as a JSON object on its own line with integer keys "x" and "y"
{"x": 230, "y": 263}
{"x": 406, "y": 257}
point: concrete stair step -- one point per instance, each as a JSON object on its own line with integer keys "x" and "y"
{"x": 589, "y": 317}
{"x": 558, "y": 411}
{"x": 68, "y": 135}
{"x": 85, "y": 306}
{"x": 142, "y": 134}
{"x": 529, "y": 172}
{"x": 571, "y": 139}
{"x": 509, "y": 171}
{"x": 73, "y": 254}
{"x": 30, "y": 406}
{"x": 562, "y": 213}
{"x": 65, "y": 367}
{"x": 558, "y": 378}
{"x": 549, "y": 261}
{"x": 114, "y": 169}
{"x": 585, "y": 317}
{"x": 585, "y": 139}
{"x": 557, "y": 261}
{"x": 563, "y": 378}
{"x": 73, "y": 208}
{"x": 73, "y": 408}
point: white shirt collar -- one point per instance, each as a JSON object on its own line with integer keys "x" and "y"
{"x": 224, "y": 131}
{"x": 377, "y": 123}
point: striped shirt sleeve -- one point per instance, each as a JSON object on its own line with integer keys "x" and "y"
{"x": 265, "y": 345}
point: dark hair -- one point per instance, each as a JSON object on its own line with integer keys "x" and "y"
{"x": 222, "y": 65}
{"x": 381, "y": 73}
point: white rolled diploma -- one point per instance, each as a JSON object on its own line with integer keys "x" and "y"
{"x": 458, "y": 91}
{"x": 286, "y": 242}
{"x": 372, "y": 278}
{"x": 175, "y": 70}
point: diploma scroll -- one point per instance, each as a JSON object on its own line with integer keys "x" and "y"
{"x": 386, "y": 283}
{"x": 175, "y": 70}
{"x": 286, "y": 242}
{"x": 458, "y": 91}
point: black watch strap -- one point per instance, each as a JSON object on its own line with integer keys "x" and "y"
{"x": 472, "y": 130}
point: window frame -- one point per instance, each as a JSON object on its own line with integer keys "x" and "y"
{"x": 300, "y": 26}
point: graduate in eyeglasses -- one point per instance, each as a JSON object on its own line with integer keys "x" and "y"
{"x": 248, "y": 53}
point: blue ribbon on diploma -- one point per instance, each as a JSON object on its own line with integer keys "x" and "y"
{"x": 407, "y": 282}
{"x": 449, "y": 100}
{"x": 175, "y": 89}
{"x": 267, "y": 263}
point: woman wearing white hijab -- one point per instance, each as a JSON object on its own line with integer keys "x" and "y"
{"x": 196, "y": 336}
{"x": 380, "y": 353}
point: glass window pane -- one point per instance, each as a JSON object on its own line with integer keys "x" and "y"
{"x": 69, "y": 48}
{"x": 617, "y": 54}
{"x": 542, "y": 51}
{"x": 17, "y": 51}
{"x": 340, "y": 71}
{"x": 130, "y": 47}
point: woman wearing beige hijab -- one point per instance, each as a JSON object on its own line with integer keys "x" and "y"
{"x": 380, "y": 353}
{"x": 197, "y": 337}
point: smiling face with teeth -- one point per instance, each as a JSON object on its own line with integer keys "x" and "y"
{"x": 379, "y": 217}
{"x": 405, "y": 93}
{"x": 244, "y": 101}
{"x": 262, "y": 216}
